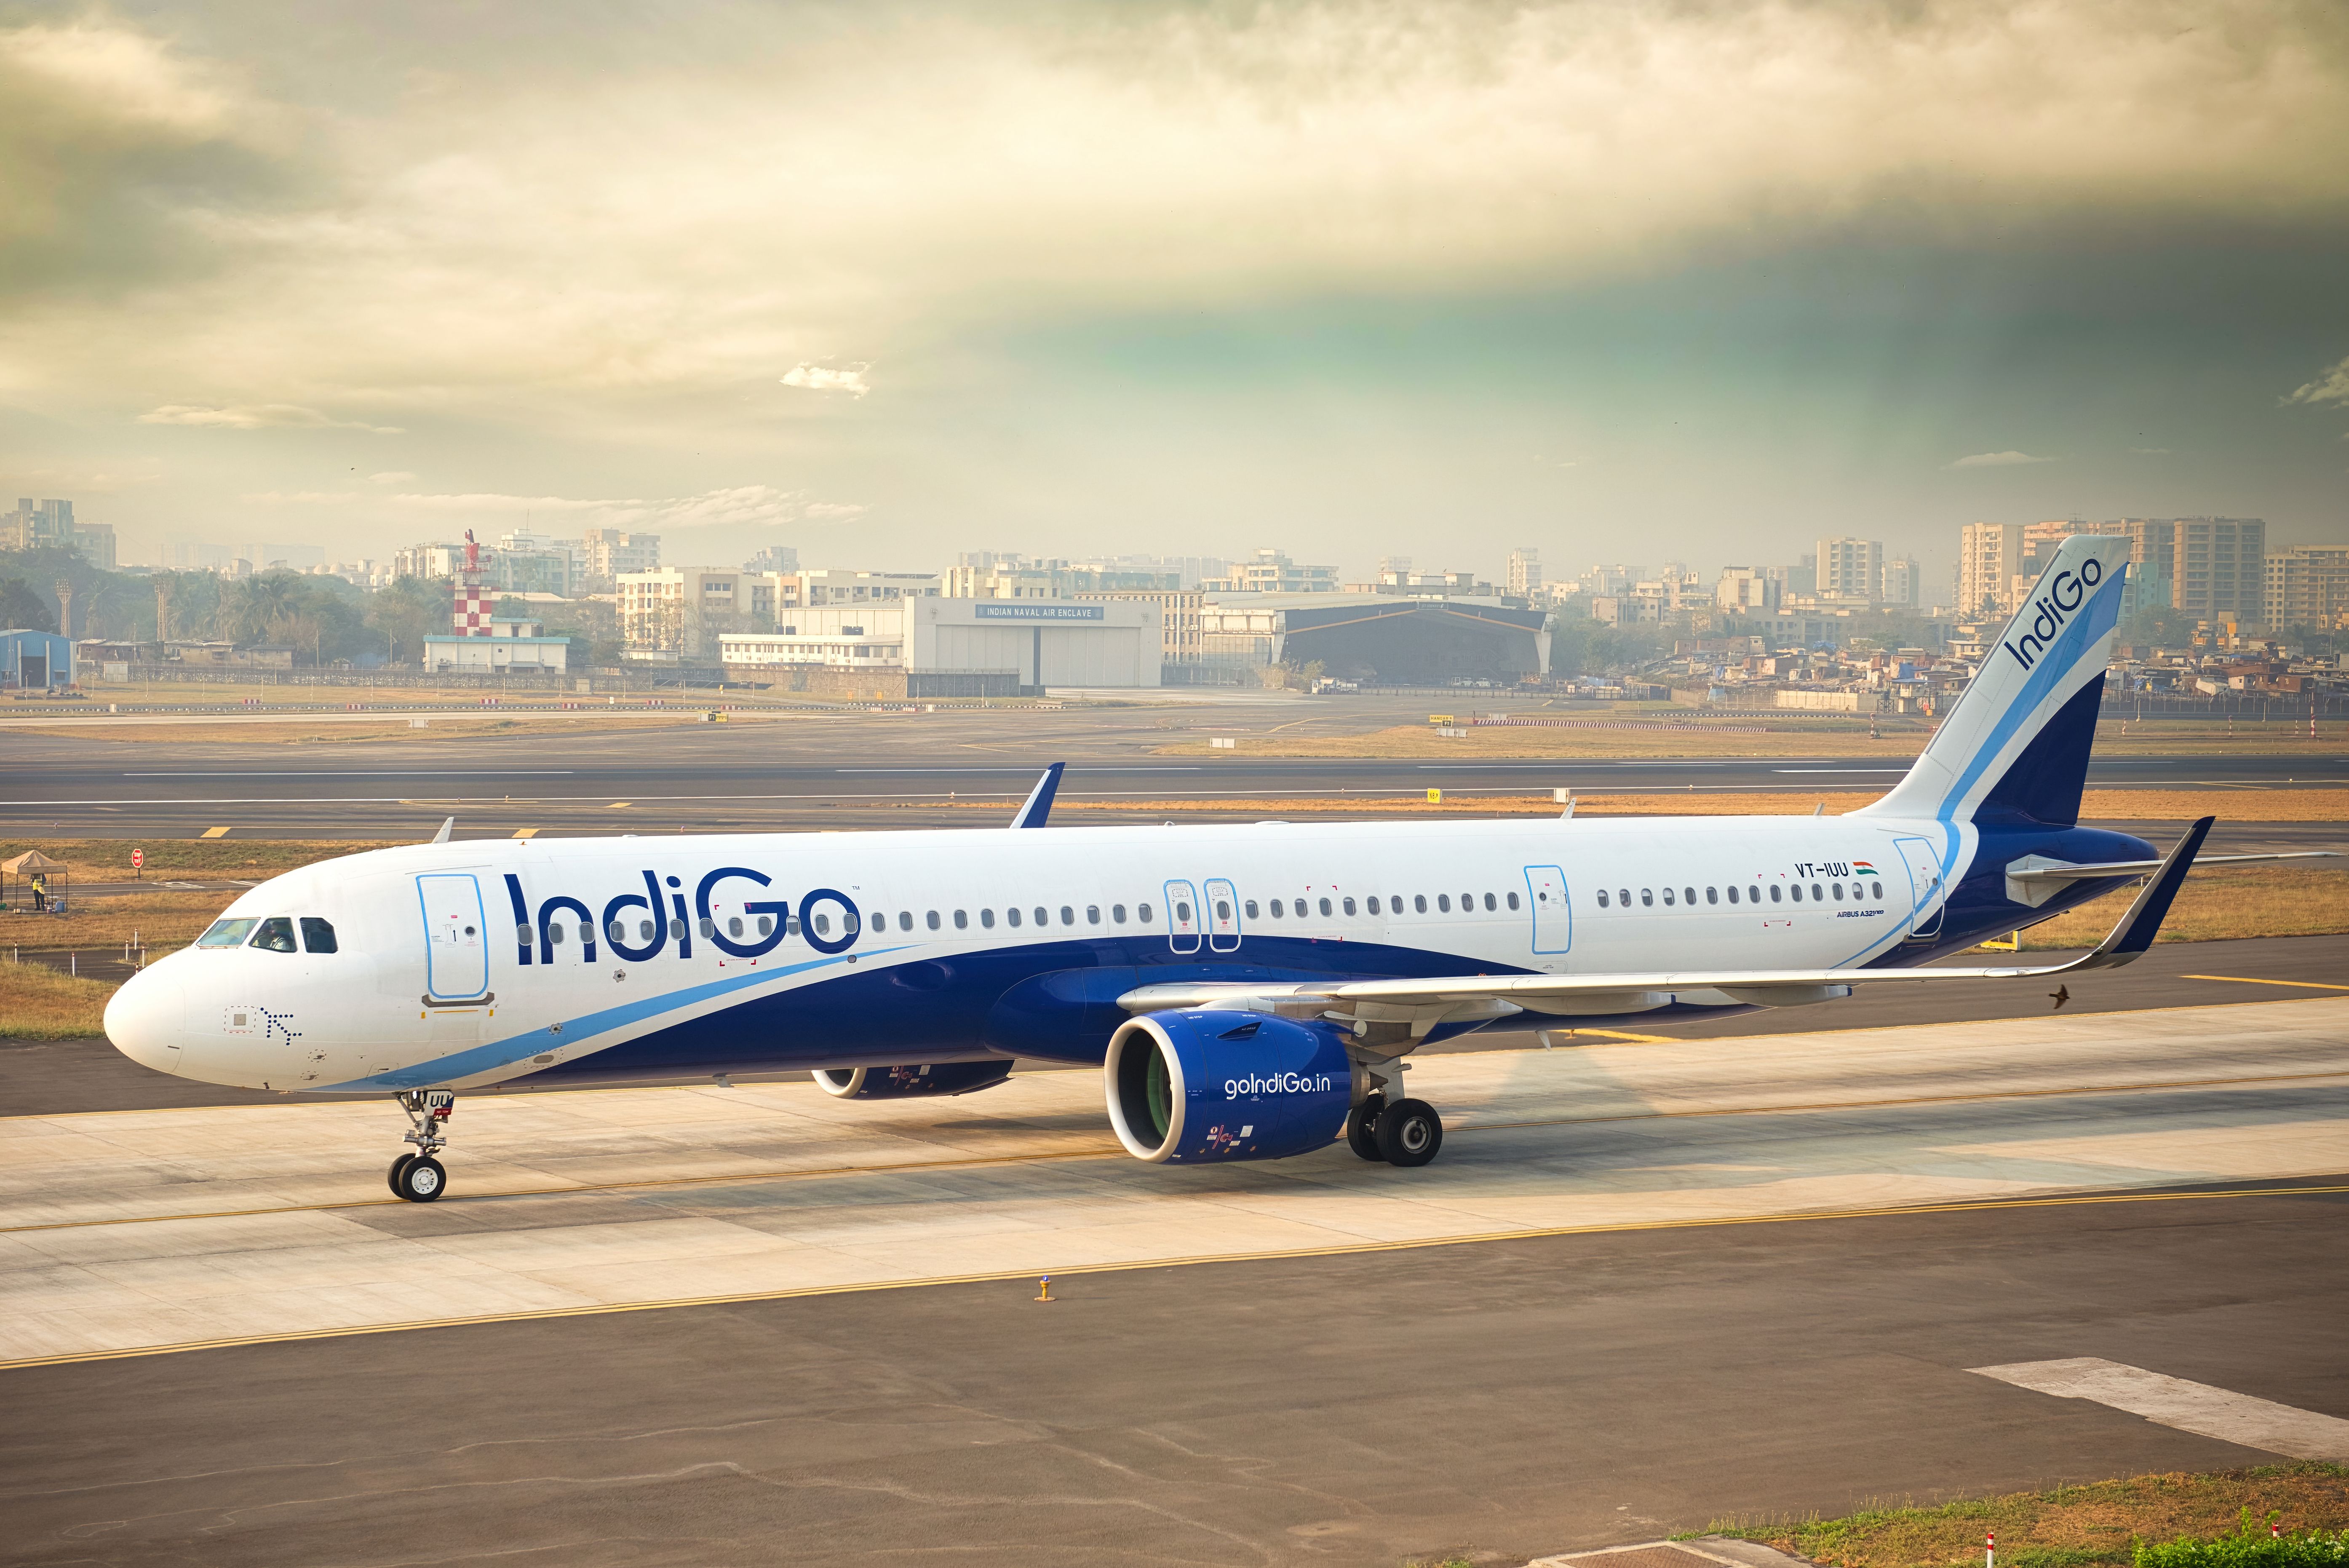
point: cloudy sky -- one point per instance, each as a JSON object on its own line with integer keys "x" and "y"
{"x": 1623, "y": 280}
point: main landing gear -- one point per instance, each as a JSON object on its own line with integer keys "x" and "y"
{"x": 418, "y": 1177}
{"x": 1407, "y": 1132}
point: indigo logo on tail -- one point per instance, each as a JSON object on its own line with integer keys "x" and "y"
{"x": 2064, "y": 596}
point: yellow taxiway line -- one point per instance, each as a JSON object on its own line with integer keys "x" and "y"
{"x": 2253, "y": 980}
{"x": 1347, "y": 1249}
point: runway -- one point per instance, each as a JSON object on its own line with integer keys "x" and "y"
{"x": 908, "y": 771}
{"x": 1645, "y": 1286}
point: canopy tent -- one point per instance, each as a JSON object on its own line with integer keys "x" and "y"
{"x": 35, "y": 880}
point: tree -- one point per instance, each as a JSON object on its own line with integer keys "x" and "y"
{"x": 408, "y": 612}
{"x": 22, "y": 608}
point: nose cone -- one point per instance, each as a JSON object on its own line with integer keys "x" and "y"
{"x": 143, "y": 1020}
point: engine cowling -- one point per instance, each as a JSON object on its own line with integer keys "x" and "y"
{"x": 911, "y": 1080}
{"x": 1201, "y": 1087}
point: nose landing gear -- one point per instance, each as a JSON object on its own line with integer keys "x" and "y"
{"x": 418, "y": 1177}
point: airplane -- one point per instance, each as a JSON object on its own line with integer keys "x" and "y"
{"x": 1249, "y": 992}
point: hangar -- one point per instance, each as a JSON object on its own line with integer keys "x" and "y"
{"x": 1378, "y": 637}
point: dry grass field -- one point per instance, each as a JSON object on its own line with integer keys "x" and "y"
{"x": 2218, "y": 904}
{"x": 36, "y": 1003}
{"x": 2097, "y": 805}
{"x": 2070, "y": 1527}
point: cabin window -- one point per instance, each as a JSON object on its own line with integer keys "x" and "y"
{"x": 1068, "y": 916}
{"x": 1043, "y": 916}
{"x": 644, "y": 931}
{"x": 1602, "y": 898}
{"x": 733, "y": 926}
{"x": 1467, "y": 902}
{"x": 1373, "y": 903}
{"x": 1012, "y": 915}
{"x": 318, "y": 936}
{"x": 521, "y": 933}
{"x": 767, "y": 925}
{"x": 931, "y": 919}
{"x": 1443, "y": 902}
{"x": 1275, "y": 909}
{"x": 1688, "y": 896}
{"x": 822, "y": 924}
{"x": 1712, "y": 895}
{"x": 1815, "y": 894}
{"x": 1838, "y": 893}
{"x": 986, "y": 918}
{"x": 1774, "y": 892}
{"x": 1142, "y": 912}
{"x": 1250, "y": 909}
{"x": 1513, "y": 900}
{"x": 276, "y": 935}
{"x": 962, "y": 920}
{"x": 1668, "y": 898}
{"x": 1222, "y": 910}
{"x": 1875, "y": 890}
{"x": 1181, "y": 913}
{"x": 227, "y": 934}
{"x": 1092, "y": 914}
{"x": 1491, "y": 903}
{"x": 1623, "y": 896}
{"x": 1117, "y": 913}
{"x": 1325, "y": 906}
{"x": 1647, "y": 898}
{"x": 709, "y": 928}
{"x": 790, "y": 926}
{"x": 1347, "y": 904}
{"x": 1419, "y": 903}
{"x": 553, "y": 934}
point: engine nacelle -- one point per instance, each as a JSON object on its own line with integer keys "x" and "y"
{"x": 911, "y": 1081}
{"x": 1194, "y": 1087}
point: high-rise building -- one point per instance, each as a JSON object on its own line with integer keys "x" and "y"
{"x": 2307, "y": 586}
{"x": 1271, "y": 571}
{"x": 39, "y": 525}
{"x": 777, "y": 558}
{"x": 1525, "y": 571}
{"x": 2218, "y": 569}
{"x": 1798, "y": 580}
{"x": 613, "y": 552}
{"x": 96, "y": 542}
{"x": 1904, "y": 581}
{"x": 1989, "y": 557}
{"x": 1851, "y": 569}
{"x": 685, "y": 611}
{"x": 1746, "y": 590}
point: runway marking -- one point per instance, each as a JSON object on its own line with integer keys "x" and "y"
{"x": 216, "y": 833}
{"x": 526, "y": 832}
{"x": 617, "y": 804}
{"x": 369, "y": 773}
{"x": 1108, "y": 1151}
{"x": 2196, "y": 1407}
{"x": 2254, "y": 980}
{"x": 1026, "y": 1276}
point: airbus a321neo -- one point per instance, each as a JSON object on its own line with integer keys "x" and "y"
{"x": 1249, "y": 992}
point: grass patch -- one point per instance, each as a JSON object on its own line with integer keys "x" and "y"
{"x": 109, "y": 860}
{"x": 2222, "y": 903}
{"x": 36, "y": 1003}
{"x": 161, "y": 922}
{"x": 2069, "y": 1527}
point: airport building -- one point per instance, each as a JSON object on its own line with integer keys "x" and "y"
{"x": 935, "y": 646}
{"x": 518, "y": 646}
{"x": 1383, "y": 637}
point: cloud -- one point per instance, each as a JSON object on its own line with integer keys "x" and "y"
{"x": 1998, "y": 460}
{"x": 390, "y": 476}
{"x": 259, "y": 417}
{"x": 2150, "y": 451}
{"x": 819, "y": 378}
{"x": 757, "y": 506}
{"x": 2333, "y": 386}
{"x": 300, "y": 497}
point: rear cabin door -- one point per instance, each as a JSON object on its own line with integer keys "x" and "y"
{"x": 1553, "y": 917}
{"x": 1222, "y": 910}
{"x": 456, "y": 945}
{"x": 1182, "y": 917}
{"x": 1928, "y": 897}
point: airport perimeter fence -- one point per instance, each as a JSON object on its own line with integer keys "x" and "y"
{"x": 2251, "y": 708}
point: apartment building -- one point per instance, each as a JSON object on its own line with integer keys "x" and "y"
{"x": 1904, "y": 581}
{"x": 2218, "y": 568}
{"x": 607, "y": 554}
{"x": 1746, "y": 590}
{"x": 843, "y": 586}
{"x": 1990, "y": 557}
{"x": 1525, "y": 579}
{"x": 2307, "y": 586}
{"x": 1272, "y": 572}
{"x": 1851, "y": 569}
{"x": 684, "y": 610}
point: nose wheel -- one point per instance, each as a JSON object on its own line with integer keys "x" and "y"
{"x": 418, "y": 1178}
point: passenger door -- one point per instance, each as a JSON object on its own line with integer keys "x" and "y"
{"x": 1553, "y": 917}
{"x": 1182, "y": 917}
{"x": 1223, "y": 912}
{"x": 1927, "y": 896}
{"x": 456, "y": 946}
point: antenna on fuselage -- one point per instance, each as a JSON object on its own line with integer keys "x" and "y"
{"x": 446, "y": 828}
{"x": 1039, "y": 799}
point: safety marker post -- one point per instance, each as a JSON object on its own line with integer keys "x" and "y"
{"x": 1990, "y": 1549}
{"x": 1044, "y": 1288}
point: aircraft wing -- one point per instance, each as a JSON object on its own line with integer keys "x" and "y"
{"x": 1591, "y": 995}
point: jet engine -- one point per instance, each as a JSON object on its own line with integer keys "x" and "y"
{"x": 1201, "y": 1087}
{"x": 912, "y": 1081}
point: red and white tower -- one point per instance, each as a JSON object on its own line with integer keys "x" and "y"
{"x": 474, "y": 602}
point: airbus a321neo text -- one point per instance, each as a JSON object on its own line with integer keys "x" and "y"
{"x": 1249, "y": 992}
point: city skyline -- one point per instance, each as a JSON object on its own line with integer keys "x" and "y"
{"x": 1075, "y": 281}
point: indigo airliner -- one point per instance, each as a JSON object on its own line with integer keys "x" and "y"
{"x": 1249, "y": 992}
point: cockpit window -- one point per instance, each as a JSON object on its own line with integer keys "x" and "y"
{"x": 227, "y": 934}
{"x": 275, "y": 935}
{"x": 318, "y": 935}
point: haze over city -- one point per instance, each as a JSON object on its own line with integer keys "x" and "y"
{"x": 887, "y": 284}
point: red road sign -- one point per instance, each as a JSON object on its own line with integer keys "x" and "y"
{"x": 137, "y": 858}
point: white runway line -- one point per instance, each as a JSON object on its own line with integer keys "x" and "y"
{"x": 2195, "y": 1408}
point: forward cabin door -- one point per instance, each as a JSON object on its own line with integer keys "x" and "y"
{"x": 1182, "y": 917}
{"x": 1553, "y": 917}
{"x": 1928, "y": 898}
{"x": 456, "y": 945}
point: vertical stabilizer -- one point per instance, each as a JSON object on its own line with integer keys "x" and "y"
{"x": 2017, "y": 742}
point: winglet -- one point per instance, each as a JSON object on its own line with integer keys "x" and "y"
{"x": 446, "y": 828}
{"x": 2142, "y": 923}
{"x": 1040, "y": 799}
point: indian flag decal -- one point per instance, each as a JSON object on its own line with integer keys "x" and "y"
{"x": 1862, "y": 868}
